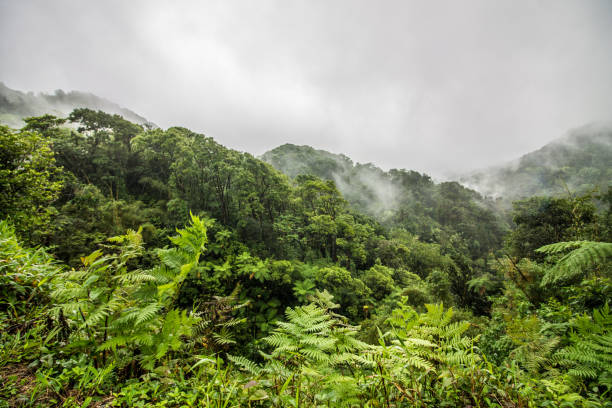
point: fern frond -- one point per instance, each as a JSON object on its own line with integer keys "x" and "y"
{"x": 233, "y": 322}
{"x": 560, "y": 247}
{"x": 245, "y": 363}
{"x": 418, "y": 362}
{"x": 584, "y": 256}
{"x": 143, "y": 339}
{"x": 136, "y": 276}
{"x": 173, "y": 258}
{"x": 315, "y": 354}
{"x": 147, "y": 313}
{"x": 321, "y": 343}
{"x": 113, "y": 343}
{"x": 96, "y": 316}
{"x": 223, "y": 337}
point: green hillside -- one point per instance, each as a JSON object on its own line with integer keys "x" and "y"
{"x": 579, "y": 162}
{"x": 146, "y": 267}
{"x": 399, "y": 197}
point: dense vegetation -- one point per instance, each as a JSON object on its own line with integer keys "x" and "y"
{"x": 401, "y": 198}
{"x": 150, "y": 267}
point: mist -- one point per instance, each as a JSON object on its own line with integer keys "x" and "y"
{"x": 371, "y": 187}
{"x": 440, "y": 87}
{"x": 577, "y": 163}
{"x": 15, "y": 105}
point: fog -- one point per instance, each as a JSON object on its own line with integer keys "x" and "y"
{"x": 577, "y": 163}
{"x": 372, "y": 188}
{"x": 16, "y": 105}
{"x": 436, "y": 86}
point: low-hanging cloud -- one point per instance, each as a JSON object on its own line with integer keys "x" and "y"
{"x": 440, "y": 86}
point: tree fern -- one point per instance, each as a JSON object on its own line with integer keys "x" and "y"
{"x": 583, "y": 258}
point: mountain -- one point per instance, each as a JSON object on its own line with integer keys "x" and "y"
{"x": 367, "y": 187}
{"x": 399, "y": 198}
{"x": 16, "y": 105}
{"x": 579, "y": 162}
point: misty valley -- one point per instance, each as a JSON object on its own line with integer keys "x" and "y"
{"x": 149, "y": 267}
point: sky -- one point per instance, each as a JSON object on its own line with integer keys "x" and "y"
{"x": 442, "y": 87}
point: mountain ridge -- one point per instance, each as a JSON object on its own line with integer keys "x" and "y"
{"x": 575, "y": 163}
{"x": 16, "y": 105}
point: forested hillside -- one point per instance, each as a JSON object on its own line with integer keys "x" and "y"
{"x": 152, "y": 267}
{"x": 400, "y": 198}
{"x": 577, "y": 163}
{"x": 16, "y": 105}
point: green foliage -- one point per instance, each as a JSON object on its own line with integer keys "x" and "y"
{"x": 43, "y": 124}
{"x": 589, "y": 353}
{"x": 430, "y": 340}
{"x": 351, "y": 292}
{"x": 307, "y": 352}
{"x": 24, "y": 274}
{"x": 582, "y": 259}
{"x": 119, "y": 308}
{"x": 398, "y": 197}
{"x": 533, "y": 348}
{"x": 155, "y": 177}
{"x": 147, "y": 319}
{"x": 312, "y": 336}
{"x": 546, "y": 220}
{"x": 217, "y": 321}
{"x": 379, "y": 279}
{"x": 29, "y": 181}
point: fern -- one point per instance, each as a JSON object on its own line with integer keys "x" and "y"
{"x": 589, "y": 355}
{"x": 113, "y": 343}
{"x": 246, "y": 364}
{"x": 25, "y": 276}
{"x": 425, "y": 343}
{"x": 310, "y": 347}
{"x": 584, "y": 256}
{"x": 533, "y": 347}
{"x": 147, "y": 313}
{"x": 115, "y": 306}
{"x": 216, "y": 324}
{"x": 223, "y": 337}
{"x": 312, "y": 335}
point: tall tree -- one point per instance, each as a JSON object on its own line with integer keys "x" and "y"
{"x": 29, "y": 181}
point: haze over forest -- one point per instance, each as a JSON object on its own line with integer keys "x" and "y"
{"x": 394, "y": 204}
{"x": 441, "y": 87}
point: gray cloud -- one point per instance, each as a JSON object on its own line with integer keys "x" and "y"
{"x": 437, "y": 86}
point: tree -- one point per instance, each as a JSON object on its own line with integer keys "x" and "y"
{"x": 43, "y": 124}
{"x": 29, "y": 182}
{"x": 545, "y": 220}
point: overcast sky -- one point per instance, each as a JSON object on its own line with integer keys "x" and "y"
{"x": 436, "y": 86}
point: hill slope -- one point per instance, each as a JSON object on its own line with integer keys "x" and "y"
{"x": 399, "y": 198}
{"x": 16, "y": 105}
{"x": 365, "y": 186}
{"x": 580, "y": 162}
